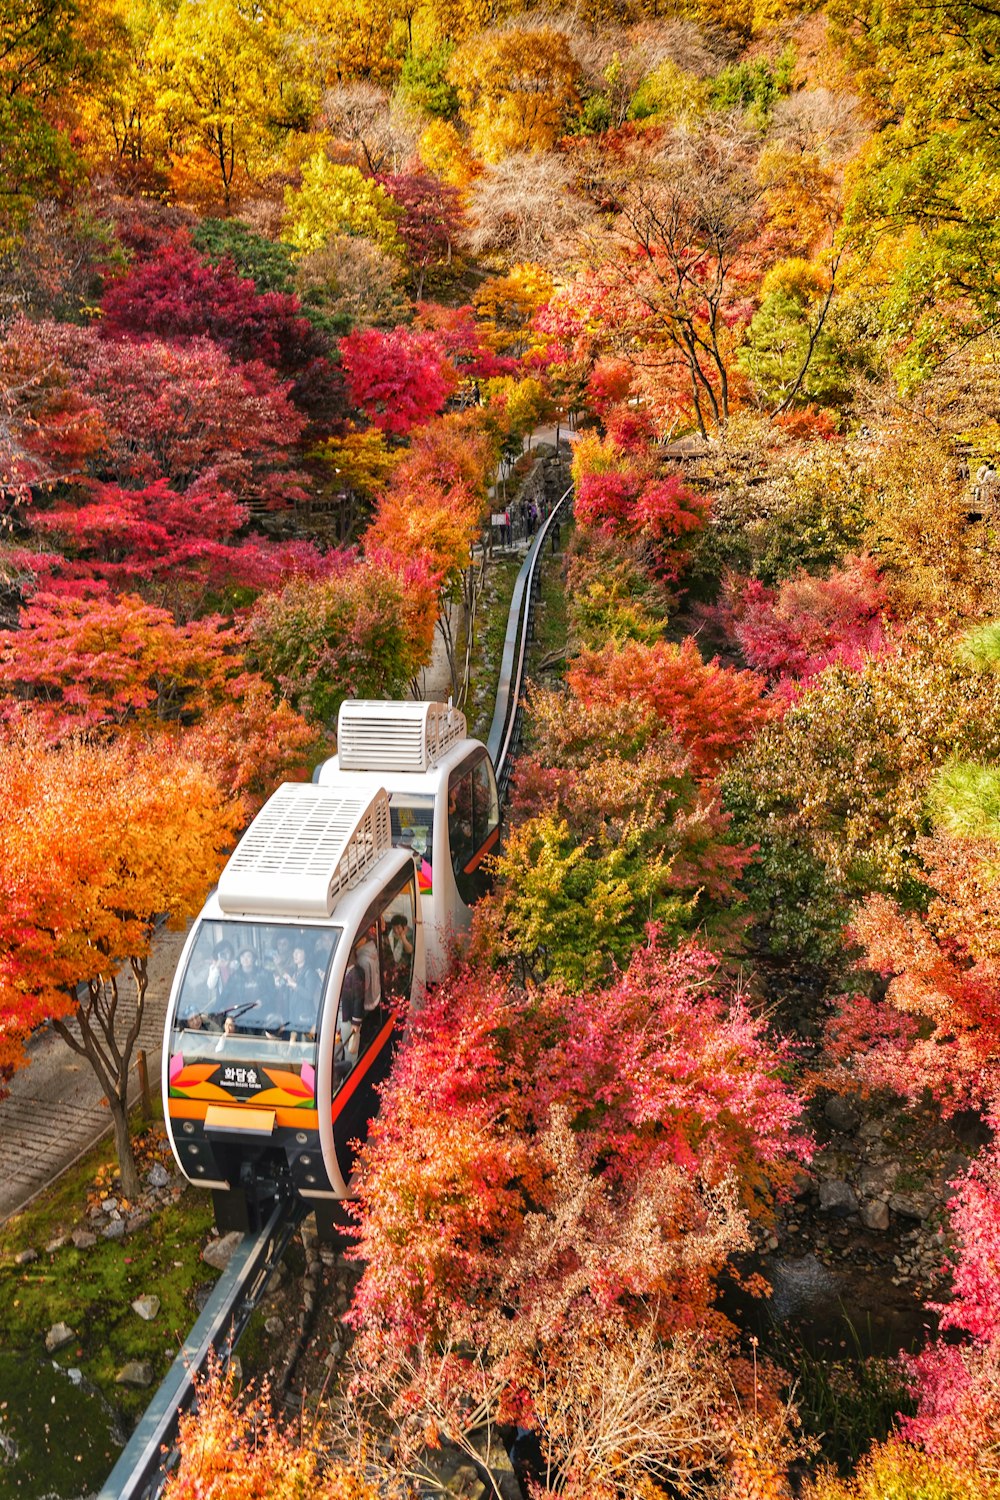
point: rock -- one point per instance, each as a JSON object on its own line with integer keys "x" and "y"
{"x": 802, "y": 1184}
{"x": 83, "y": 1239}
{"x": 109, "y": 1205}
{"x": 877, "y": 1178}
{"x": 138, "y": 1374}
{"x": 147, "y": 1307}
{"x": 58, "y": 1336}
{"x": 56, "y": 1244}
{"x": 837, "y": 1197}
{"x": 875, "y": 1215}
{"x": 496, "y": 1462}
{"x": 114, "y": 1231}
{"x": 157, "y": 1176}
{"x": 954, "y": 1165}
{"x": 25, "y": 1257}
{"x": 911, "y": 1205}
{"x": 138, "y": 1221}
{"x": 218, "y": 1253}
{"x": 275, "y": 1327}
{"x": 842, "y": 1113}
{"x": 452, "y": 1473}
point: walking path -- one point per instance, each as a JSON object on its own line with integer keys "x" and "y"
{"x": 54, "y": 1111}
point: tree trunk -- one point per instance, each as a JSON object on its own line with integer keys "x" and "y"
{"x": 108, "y": 1048}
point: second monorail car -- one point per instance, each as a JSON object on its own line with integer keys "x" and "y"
{"x": 442, "y": 803}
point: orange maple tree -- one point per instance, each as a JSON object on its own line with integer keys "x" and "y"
{"x": 96, "y": 841}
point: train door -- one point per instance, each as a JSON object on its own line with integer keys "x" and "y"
{"x": 378, "y": 981}
{"x": 473, "y": 825}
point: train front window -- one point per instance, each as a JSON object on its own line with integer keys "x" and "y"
{"x": 263, "y": 980}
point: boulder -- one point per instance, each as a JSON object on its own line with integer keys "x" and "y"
{"x": 218, "y": 1253}
{"x": 25, "y": 1257}
{"x": 157, "y": 1176}
{"x": 911, "y": 1205}
{"x": 83, "y": 1239}
{"x": 58, "y": 1336}
{"x": 114, "y": 1231}
{"x": 147, "y": 1307}
{"x": 138, "y": 1374}
{"x": 875, "y": 1215}
{"x": 838, "y": 1198}
{"x": 56, "y": 1244}
{"x": 842, "y": 1113}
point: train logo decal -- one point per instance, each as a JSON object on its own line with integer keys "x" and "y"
{"x": 279, "y": 1088}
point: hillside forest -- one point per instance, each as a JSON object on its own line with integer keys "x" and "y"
{"x": 286, "y": 287}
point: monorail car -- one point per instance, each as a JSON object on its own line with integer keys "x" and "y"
{"x": 284, "y": 1009}
{"x": 442, "y": 802}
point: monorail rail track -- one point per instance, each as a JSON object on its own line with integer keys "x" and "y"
{"x": 142, "y": 1468}
{"x": 505, "y": 731}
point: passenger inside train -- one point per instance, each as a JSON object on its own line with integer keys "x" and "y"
{"x": 271, "y": 991}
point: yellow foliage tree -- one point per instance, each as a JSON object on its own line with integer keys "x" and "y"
{"x": 117, "y": 97}
{"x": 507, "y": 304}
{"x": 221, "y": 93}
{"x": 517, "y": 89}
{"x": 443, "y": 152}
{"x": 338, "y": 200}
{"x": 351, "y": 40}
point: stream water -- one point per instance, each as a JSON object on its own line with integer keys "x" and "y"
{"x": 59, "y": 1438}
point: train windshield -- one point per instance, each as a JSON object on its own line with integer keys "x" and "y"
{"x": 258, "y": 980}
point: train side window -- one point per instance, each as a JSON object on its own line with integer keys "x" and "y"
{"x": 375, "y": 977}
{"x": 486, "y": 807}
{"x": 398, "y": 928}
{"x": 460, "y": 821}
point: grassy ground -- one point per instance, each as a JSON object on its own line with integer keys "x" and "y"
{"x": 491, "y": 628}
{"x": 550, "y": 615}
{"x": 66, "y": 1427}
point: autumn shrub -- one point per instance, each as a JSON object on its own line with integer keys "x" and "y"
{"x": 937, "y": 561}
{"x": 553, "y": 1182}
{"x": 234, "y": 1444}
{"x": 175, "y": 294}
{"x": 610, "y": 594}
{"x": 624, "y": 495}
{"x": 896, "y": 1470}
{"x": 611, "y": 831}
{"x": 99, "y": 840}
{"x": 399, "y": 378}
{"x": 793, "y": 632}
{"x": 185, "y": 412}
{"x": 712, "y": 710}
{"x": 937, "y": 1026}
{"x": 780, "y": 507}
{"x": 834, "y": 796}
{"x": 323, "y": 640}
{"x": 183, "y": 552}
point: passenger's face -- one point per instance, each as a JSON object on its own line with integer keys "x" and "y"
{"x": 299, "y": 957}
{"x": 246, "y": 962}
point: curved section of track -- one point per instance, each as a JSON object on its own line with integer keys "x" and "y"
{"x": 505, "y": 730}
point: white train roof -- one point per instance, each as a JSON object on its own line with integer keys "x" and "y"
{"x": 305, "y": 847}
{"x": 384, "y": 735}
